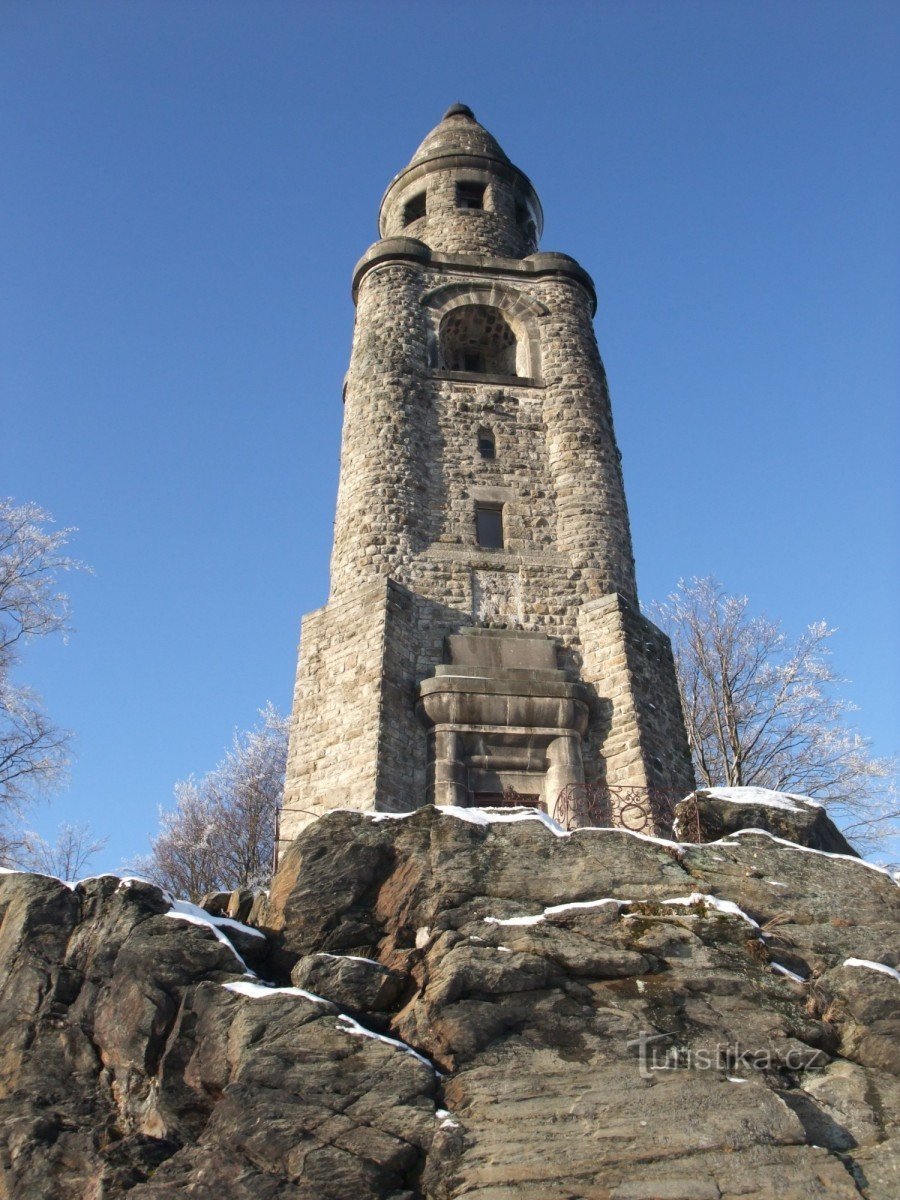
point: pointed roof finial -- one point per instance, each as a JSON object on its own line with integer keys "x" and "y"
{"x": 459, "y": 110}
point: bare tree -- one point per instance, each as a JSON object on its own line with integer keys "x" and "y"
{"x": 75, "y": 846}
{"x": 220, "y": 835}
{"x": 32, "y": 749}
{"x": 763, "y": 710}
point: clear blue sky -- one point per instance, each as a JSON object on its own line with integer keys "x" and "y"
{"x": 186, "y": 189}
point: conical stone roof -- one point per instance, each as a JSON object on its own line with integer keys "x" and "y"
{"x": 460, "y": 144}
{"x": 458, "y": 133}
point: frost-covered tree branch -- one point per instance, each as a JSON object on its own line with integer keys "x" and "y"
{"x": 762, "y": 710}
{"x": 32, "y": 749}
{"x": 65, "y": 858}
{"x": 220, "y": 835}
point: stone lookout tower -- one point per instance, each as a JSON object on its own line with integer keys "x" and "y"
{"x": 482, "y": 632}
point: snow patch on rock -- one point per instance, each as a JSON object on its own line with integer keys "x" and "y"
{"x": 882, "y": 968}
{"x": 183, "y": 910}
{"x": 726, "y": 907}
{"x": 788, "y": 801}
{"x": 262, "y": 991}
{"x": 850, "y": 858}
{"x": 348, "y": 1025}
{"x": 782, "y": 970}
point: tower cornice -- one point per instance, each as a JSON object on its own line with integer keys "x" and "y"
{"x": 535, "y": 266}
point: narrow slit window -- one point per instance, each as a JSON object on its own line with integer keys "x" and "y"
{"x": 414, "y": 209}
{"x": 487, "y": 445}
{"x": 489, "y": 526}
{"x": 470, "y": 195}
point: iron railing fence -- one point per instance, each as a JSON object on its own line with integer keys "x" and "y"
{"x": 652, "y": 811}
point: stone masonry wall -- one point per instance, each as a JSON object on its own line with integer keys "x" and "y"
{"x": 384, "y": 464}
{"x": 492, "y": 230}
{"x": 333, "y": 751}
{"x": 411, "y": 474}
{"x": 410, "y": 439}
{"x": 638, "y": 739}
{"x": 401, "y": 779}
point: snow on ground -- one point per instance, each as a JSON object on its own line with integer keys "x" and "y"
{"x": 262, "y": 991}
{"x": 535, "y": 920}
{"x": 560, "y": 908}
{"x": 882, "y": 968}
{"x": 499, "y": 816}
{"x": 127, "y": 881}
{"x": 763, "y": 796}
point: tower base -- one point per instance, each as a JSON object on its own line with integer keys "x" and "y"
{"x": 399, "y": 703}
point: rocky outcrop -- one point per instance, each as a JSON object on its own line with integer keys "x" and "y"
{"x": 137, "y": 1058}
{"x": 480, "y": 1007}
{"x": 721, "y": 811}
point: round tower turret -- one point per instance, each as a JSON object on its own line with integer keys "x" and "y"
{"x": 460, "y": 194}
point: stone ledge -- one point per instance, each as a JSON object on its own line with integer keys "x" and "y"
{"x": 481, "y": 377}
{"x": 536, "y": 266}
{"x": 537, "y": 687}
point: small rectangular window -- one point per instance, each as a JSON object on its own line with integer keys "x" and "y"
{"x": 487, "y": 446}
{"x": 489, "y": 526}
{"x": 470, "y": 195}
{"x": 414, "y": 209}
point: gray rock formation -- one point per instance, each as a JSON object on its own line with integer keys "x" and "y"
{"x": 794, "y": 817}
{"x": 610, "y": 1017}
{"x": 126, "y": 1068}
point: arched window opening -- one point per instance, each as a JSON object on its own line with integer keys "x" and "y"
{"x": 477, "y": 338}
{"x": 470, "y": 195}
{"x": 487, "y": 445}
{"x": 414, "y": 209}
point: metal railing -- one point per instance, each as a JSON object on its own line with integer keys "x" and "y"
{"x": 652, "y": 811}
